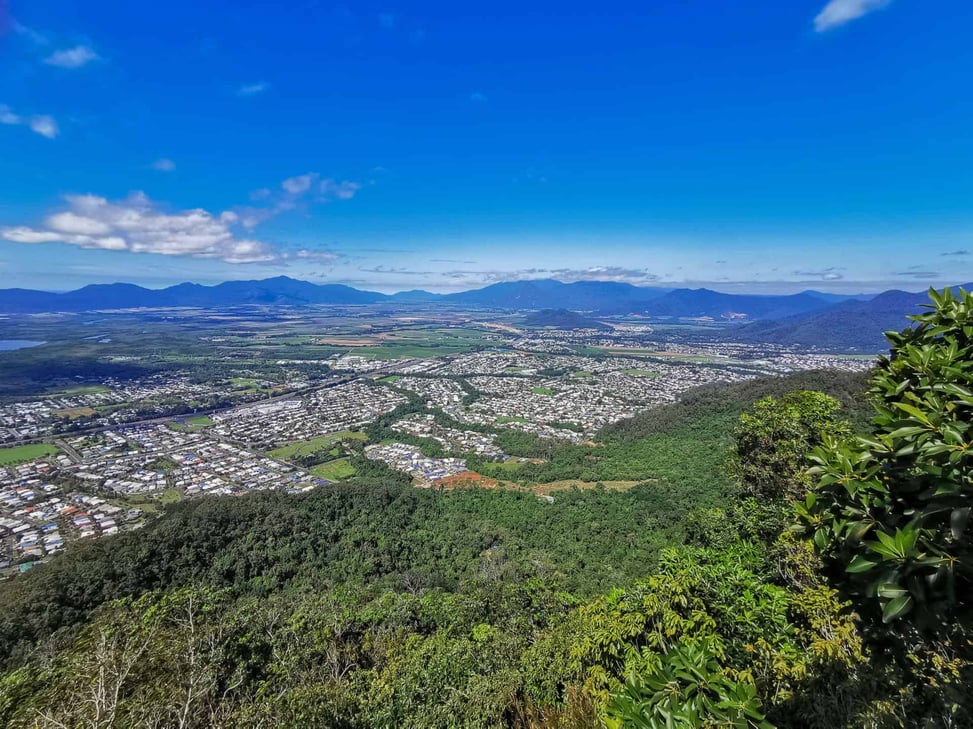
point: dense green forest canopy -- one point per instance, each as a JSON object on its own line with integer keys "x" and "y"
{"x": 693, "y": 599}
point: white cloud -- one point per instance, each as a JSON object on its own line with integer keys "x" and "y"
{"x": 45, "y": 126}
{"x": 164, "y": 164}
{"x": 317, "y": 256}
{"x": 300, "y": 184}
{"x": 74, "y": 224}
{"x": 71, "y": 57}
{"x": 41, "y": 124}
{"x": 839, "y": 12}
{"x": 136, "y": 225}
{"x": 253, "y": 89}
{"x": 22, "y": 234}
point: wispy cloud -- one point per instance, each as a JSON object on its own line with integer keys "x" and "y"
{"x": 395, "y": 271}
{"x": 478, "y": 98}
{"x": 253, "y": 89}
{"x": 839, "y": 12}
{"x": 38, "y": 39}
{"x": 917, "y": 272}
{"x": 832, "y": 273}
{"x": 41, "y": 124}
{"x": 7, "y": 116}
{"x": 164, "y": 164}
{"x": 299, "y": 184}
{"x": 304, "y": 254}
{"x": 72, "y": 57}
{"x": 619, "y": 274}
{"x": 956, "y": 253}
{"x": 338, "y": 190}
{"x": 294, "y": 193}
{"x": 137, "y": 225}
{"x": 44, "y": 125}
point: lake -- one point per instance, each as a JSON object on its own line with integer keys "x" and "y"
{"x": 9, "y": 345}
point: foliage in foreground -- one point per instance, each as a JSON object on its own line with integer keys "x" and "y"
{"x": 892, "y": 509}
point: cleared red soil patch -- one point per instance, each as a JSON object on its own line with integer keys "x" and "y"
{"x": 465, "y": 481}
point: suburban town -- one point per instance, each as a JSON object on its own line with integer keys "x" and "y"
{"x": 109, "y": 456}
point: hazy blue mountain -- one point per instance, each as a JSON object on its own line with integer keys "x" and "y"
{"x": 279, "y": 291}
{"x": 609, "y": 297}
{"x": 113, "y": 296}
{"x": 838, "y": 298}
{"x": 416, "y": 296}
{"x": 602, "y": 296}
{"x": 25, "y": 300}
{"x": 707, "y": 303}
{"x": 847, "y": 325}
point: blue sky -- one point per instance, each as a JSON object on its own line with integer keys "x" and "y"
{"x": 767, "y": 146}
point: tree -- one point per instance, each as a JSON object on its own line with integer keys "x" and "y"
{"x": 774, "y": 438}
{"x": 891, "y": 510}
{"x": 688, "y": 689}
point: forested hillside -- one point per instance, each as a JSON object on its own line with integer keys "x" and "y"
{"x": 772, "y": 568}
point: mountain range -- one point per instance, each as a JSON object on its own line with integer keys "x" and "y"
{"x": 846, "y": 325}
{"x": 809, "y": 318}
{"x": 602, "y": 297}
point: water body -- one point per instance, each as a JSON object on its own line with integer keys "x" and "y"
{"x": 9, "y": 345}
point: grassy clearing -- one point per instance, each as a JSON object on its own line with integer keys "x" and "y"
{"x": 334, "y": 470}
{"x": 192, "y": 424}
{"x": 80, "y": 390}
{"x": 510, "y": 466}
{"x": 171, "y": 496}
{"x": 247, "y": 383}
{"x": 73, "y": 413}
{"x": 581, "y": 375}
{"x": 303, "y": 447}
{"x": 543, "y": 391}
{"x": 642, "y": 373}
{"x": 411, "y": 351}
{"x": 548, "y": 488}
{"x": 510, "y": 419}
{"x": 24, "y": 453}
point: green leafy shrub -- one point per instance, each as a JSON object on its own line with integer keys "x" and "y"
{"x": 687, "y": 689}
{"x": 892, "y": 509}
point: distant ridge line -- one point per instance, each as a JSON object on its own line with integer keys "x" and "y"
{"x": 604, "y": 298}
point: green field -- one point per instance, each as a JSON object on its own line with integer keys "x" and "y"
{"x": 408, "y": 351}
{"x": 304, "y": 447}
{"x": 642, "y": 373}
{"x": 197, "y": 422}
{"x": 543, "y": 391}
{"x": 81, "y": 390}
{"x": 334, "y": 470}
{"x": 582, "y": 375}
{"x": 21, "y": 454}
{"x": 171, "y": 496}
{"x": 391, "y": 379}
{"x": 510, "y": 419}
{"x": 246, "y": 383}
